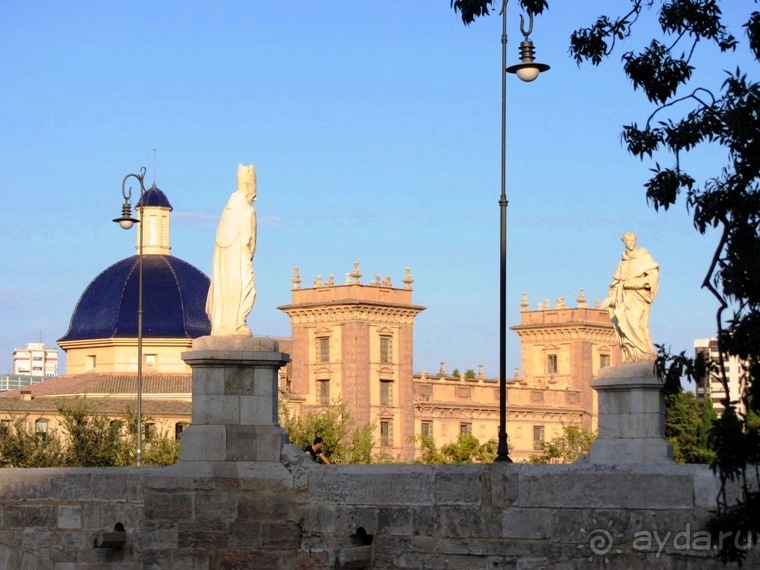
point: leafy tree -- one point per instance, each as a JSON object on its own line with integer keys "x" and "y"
{"x": 466, "y": 449}
{"x": 22, "y": 447}
{"x": 87, "y": 439}
{"x": 566, "y": 448}
{"x": 333, "y": 425}
{"x": 455, "y": 373}
{"x": 684, "y": 117}
{"x": 687, "y": 427}
{"x": 469, "y": 374}
{"x": 91, "y": 440}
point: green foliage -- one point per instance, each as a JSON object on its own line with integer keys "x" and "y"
{"x": 466, "y": 449}
{"x": 455, "y": 373}
{"x": 469, "y": 374}
{"x": 574, "y": 442}
{"x": 22, "y": 447}
{"x": 333, "y": 425}
{"x": 687, "y": 427}
{"x": 88, "y": 439}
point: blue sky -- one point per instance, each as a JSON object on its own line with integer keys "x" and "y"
{"x": 375, "y": 131}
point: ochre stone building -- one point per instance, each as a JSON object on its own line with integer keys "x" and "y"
{"x": 354, "y": 341}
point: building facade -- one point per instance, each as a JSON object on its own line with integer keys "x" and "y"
{"x": 355, "y": 342}
{"x": 35, "y": 360}
{"x": 712, "y": 387}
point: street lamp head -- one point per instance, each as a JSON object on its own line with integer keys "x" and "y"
{"x": 527, "y": 69}
{"x": 126, "y": 221}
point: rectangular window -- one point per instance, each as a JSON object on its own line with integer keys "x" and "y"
{"x": 150, "y": 431}
{"x": 386, "y": 352}
{"x": 604, "y": 360}
{"x": 152, "y": 231}
{"x": 551, "y": 364}
{"x": 386, "y": 393}
{"x": 465, "y": 429}
{"x": 386, "y": 432}
{"x": 150, "y": 360}
{"x": 538, "y": 436}
{"x": 164, "y": 231}
{"x": 90, "y": 361}
{"x": 323, "y": 392}
{"x": 323, "y": 349}
{"x": 426, "y": 429}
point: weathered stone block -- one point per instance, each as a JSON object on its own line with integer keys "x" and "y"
{"x": 258, "y": 410}
{"x": 216, "y": 410}
{"x": 635, "y": 487}
{"x": 374, "y": 484}
{"x": 208, "y": 381}
{"x": 212, "y": 536}
{"x": 394, "y": 521}
{"x": 241, "y": 443}
{"x": 203, "y": 443}
{"x": 458, "y": 485}
{"x": 169, "y": 505}
{"x": 31, "y": 516}
{"x": 266, "y": 381}
{"x": 238, "y": 381}
{"x": 281, "y": 536}
{"x": 157, "y": 535}
{"x": 69, "y": 516}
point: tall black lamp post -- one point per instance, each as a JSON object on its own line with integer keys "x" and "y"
{"x": 527, "y": 70}
{"x": 126, "y": 221}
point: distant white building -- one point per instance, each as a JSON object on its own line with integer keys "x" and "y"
{"x": 36, "y": 360}
{"x": 713, "y": 387}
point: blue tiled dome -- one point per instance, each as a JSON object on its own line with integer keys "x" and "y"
{"x": 174, "y": 301}
{"x": 153, "y": 196}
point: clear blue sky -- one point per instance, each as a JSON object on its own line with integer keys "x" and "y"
{"x": 375, "y": 131}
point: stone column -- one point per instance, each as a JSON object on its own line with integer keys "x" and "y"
{"x": 234, "y": 400}
{"x": 631, "y": 416}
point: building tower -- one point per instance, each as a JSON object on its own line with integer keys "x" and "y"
{"x": 563, "y": 348}
{"x": 355, "y": 342}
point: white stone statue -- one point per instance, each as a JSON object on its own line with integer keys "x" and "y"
{"x": 232, "y": 291}
{"x": 633, "y": 289}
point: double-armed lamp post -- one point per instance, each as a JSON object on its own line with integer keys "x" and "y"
{"x": 126, "y": 221}
{"x": 527, "y": 70}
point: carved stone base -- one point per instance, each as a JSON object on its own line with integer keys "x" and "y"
{"x": 234, "y": 400}
{"x": 631, "y": 417}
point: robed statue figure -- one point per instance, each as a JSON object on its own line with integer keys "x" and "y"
{"x": 232, "y": 291}
{"x": 633, "y": 289}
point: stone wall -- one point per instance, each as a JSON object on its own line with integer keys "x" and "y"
{"x": 295, "y": 514}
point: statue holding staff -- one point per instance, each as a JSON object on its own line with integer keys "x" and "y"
{"x": 233, "y": 290}
{"x": 633, "y": 290}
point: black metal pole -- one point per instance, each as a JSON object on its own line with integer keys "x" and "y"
{"x": 502, "y": 453}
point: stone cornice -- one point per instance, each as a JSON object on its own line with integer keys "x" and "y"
{"x": 350, "y": 310}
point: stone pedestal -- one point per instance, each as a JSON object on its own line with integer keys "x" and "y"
{"x": 631, "y": 417}
{"x": 235, "y": 383}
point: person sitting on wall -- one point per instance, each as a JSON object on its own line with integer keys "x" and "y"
{"x": 316, "y": 450}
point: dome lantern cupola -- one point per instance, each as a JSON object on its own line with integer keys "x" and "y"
{"x": 155, "y": 209}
